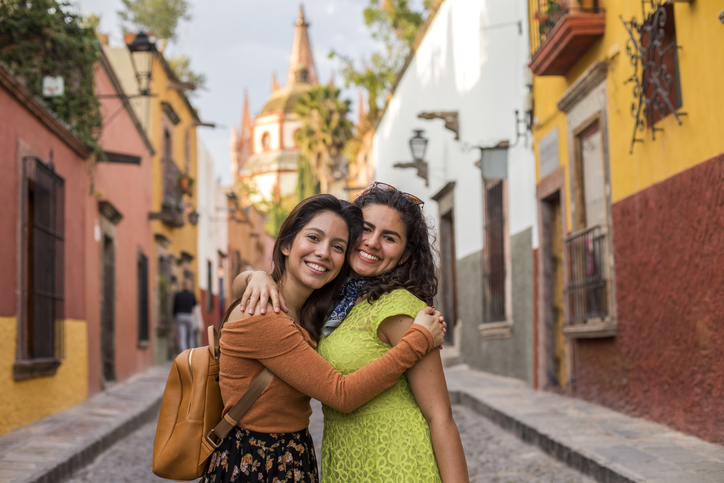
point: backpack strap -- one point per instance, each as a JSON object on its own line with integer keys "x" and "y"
{"x": 240, "y": 408}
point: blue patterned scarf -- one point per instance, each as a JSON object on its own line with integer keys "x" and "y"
{"x": 348, "y": 296}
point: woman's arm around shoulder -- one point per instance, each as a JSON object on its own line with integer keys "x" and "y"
{"x": 427, "y": 381}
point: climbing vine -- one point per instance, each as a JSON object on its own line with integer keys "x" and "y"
{"x": 41, "y": 38}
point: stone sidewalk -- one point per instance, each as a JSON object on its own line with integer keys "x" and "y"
{"x": 52, "y": 449}
{"x": 601, "y": 443}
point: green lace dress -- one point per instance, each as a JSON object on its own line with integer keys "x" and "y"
{"x": 387, "y": 439}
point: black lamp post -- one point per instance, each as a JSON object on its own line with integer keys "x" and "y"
{"x": 142, "y": 43}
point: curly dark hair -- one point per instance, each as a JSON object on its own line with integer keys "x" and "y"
{"x": 312, "y": 313}
{"x": 417, "y": 274}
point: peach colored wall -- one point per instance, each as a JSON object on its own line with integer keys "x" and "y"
{"x": 128, "y": 188}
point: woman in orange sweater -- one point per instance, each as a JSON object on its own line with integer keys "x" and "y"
{"x": 271, "y": 442}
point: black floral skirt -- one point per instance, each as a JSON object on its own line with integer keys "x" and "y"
{"x": 246, "y": 456}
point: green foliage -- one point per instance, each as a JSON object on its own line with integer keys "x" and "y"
{"x": 181, "y": 66}
{"x": 276, "y": 210}
{"x": 307, "y": 185}
{"x": 160, "y": 17}
{"x": 325, "y": 130}
{"x": 46, "y": 38}
{"x": 395, "y": 24}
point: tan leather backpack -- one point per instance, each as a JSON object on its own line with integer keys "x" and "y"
{"x": 190, "y": 426}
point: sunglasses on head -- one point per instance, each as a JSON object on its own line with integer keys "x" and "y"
{"x": 389, "y": 187}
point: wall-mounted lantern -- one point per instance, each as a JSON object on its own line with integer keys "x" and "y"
{"x": 418, "y": 146}
{"x": 142, "y": 43}
{"x": 494, "y": 161}
{"x": 193, "y": 217}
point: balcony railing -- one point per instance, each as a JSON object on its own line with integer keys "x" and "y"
{"x": 587, "y": 289}
{"x": 561, "y": 33}
{"x": 171, "y": 206}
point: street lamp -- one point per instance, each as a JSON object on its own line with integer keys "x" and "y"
{"x": 418, "y": 146}
{"x": 142, "y": 44}
{"x": 193, "y": 217}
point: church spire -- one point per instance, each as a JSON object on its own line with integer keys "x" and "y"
{"x": 275, "y": 83}
{"x": 245, "y": 118}
{"x": 301, "y": 62}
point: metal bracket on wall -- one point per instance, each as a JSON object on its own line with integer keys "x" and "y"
{"x": 450, "y": 118}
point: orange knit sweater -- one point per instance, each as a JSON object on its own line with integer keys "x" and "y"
{"x": 275, "y": 341}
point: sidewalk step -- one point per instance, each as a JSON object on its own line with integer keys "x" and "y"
{"x": 600, "y": 443}
{"x": 52, "y": 449}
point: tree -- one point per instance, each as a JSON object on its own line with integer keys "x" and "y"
{"x": 158, "y": 16}
{"x": 181, "y": 66}
{"x": 47, "y": 38}
{"x": 325, "y": 131}
{"x": 307, "y": 185}
{"x": 395, "y": 24}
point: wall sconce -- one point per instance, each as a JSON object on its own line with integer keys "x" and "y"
{"x": 141, "y": 43}
{"x": 193, "y": 217}
{"x": 418, "y": 146}
{"x": 493, "y": 161}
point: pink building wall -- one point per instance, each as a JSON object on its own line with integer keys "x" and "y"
{"x": 128, "y": 188}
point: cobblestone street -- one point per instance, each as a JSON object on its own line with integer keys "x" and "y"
{"x": 493, "y": 455}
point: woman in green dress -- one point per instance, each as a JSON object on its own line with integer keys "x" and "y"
{"x": 407, "y": 433}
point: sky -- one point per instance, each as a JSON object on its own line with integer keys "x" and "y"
{"x": 238, "y": 44}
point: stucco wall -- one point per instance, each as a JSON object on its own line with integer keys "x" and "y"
{"x": 667, "y": 361}
{"x": 23, "y": 402}
{"x": 512, "y": 356}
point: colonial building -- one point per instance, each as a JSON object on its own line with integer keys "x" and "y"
{"x": 43, "y": 313}
{"x": 119, "y": 242}
{"x": 170, "y": 122}
{"x": 461, "y": 104}
{"x": 629, "y": 169}
{"x": 264, "y": 151}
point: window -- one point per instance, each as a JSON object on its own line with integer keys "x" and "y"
{"x": 142, "y": 274}
{"x": 494, "y": 261}
{"x": 587, "y": 290}
{"x": 266, "y": 141}
{"x": 661, "y": 81}
{"x": 43, "y": 295}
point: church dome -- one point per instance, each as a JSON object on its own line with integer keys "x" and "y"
{"x": 285, "y": 99}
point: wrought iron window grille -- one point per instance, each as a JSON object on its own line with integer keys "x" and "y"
{"x": 587, "y": 287}
{"x": 43, "y": 262}
{"x": 494, "y": 264}
{"x": 647, "y": 48}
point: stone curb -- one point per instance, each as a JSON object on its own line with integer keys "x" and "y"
{"x": 589, "y": 465}
{"x": 65, "y": 469}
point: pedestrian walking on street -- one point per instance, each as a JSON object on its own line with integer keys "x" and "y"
{"x": 271, "y": 441}
{"x": 408, "y": 433}
{"x": 183, "y": 312}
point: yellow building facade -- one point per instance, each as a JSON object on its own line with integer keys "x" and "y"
{"x": 629, "y": 162}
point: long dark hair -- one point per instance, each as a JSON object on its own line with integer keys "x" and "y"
{"x": 417, "y": 274}
{"x": 312, "y": 313}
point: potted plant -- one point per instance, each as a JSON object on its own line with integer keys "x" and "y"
{"x": 186, "y": 183}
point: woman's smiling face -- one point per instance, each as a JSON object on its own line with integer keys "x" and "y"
{"x": 383, "y": 242}
{"x": 317, "y": 254}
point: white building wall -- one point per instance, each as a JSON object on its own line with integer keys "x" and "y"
{"x": 290, "y": 126}
{"x": 471, "y": 60}
{"x": 270, "y": 124}
{"x": 210, "y": 237}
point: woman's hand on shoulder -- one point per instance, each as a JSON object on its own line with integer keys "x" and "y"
{"x": 433, "y": 321}
{"x": 261, "y": 294}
